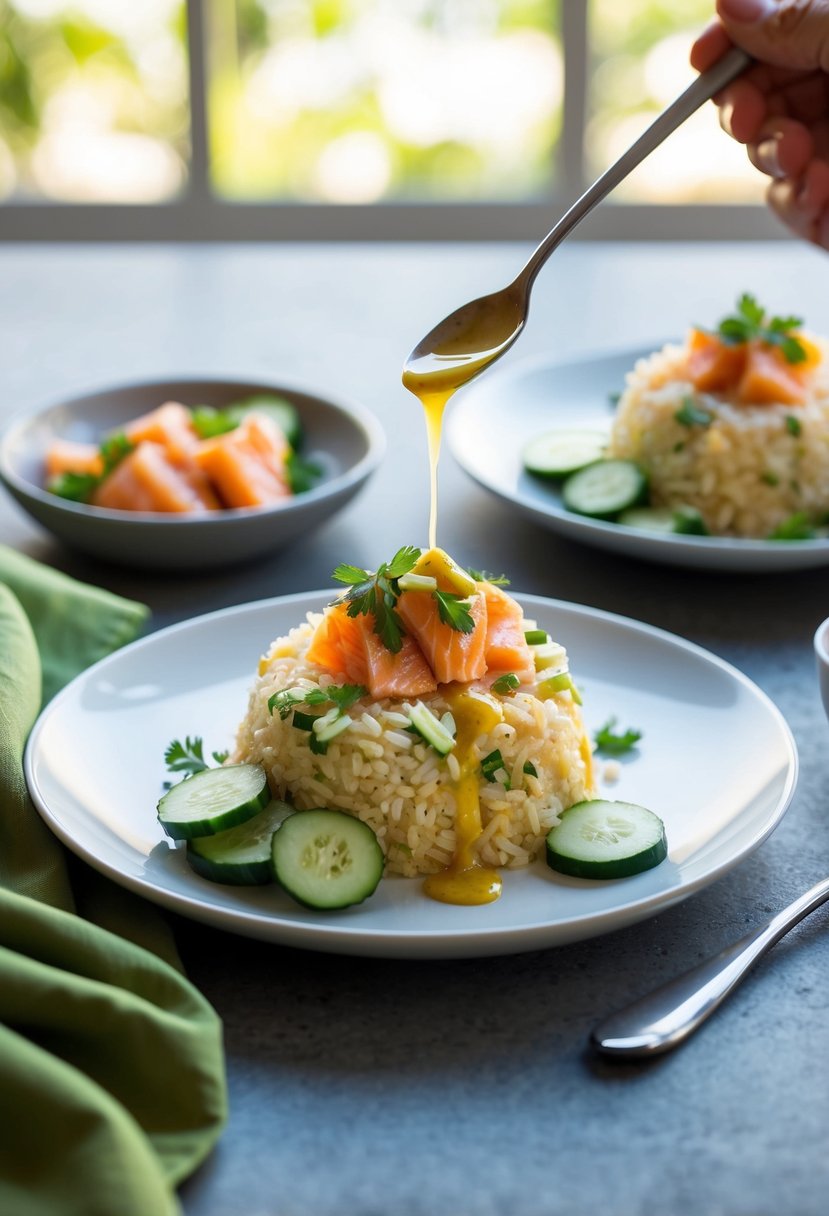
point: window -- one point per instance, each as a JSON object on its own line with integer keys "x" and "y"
{"x": 263, "y": 119}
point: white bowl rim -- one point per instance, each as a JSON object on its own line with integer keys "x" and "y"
{"x": 352, "y": 410}
{"x": 821, "y": 641}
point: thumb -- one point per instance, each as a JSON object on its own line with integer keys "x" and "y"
{"x": 786, "y": 33}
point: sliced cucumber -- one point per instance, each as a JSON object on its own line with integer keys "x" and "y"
{"x": 281, "y": 411}
{"x": 241, "y": 855}
{"x": 602, "y": 839}
{"x": 604, "y": 489}
{"x": 648, "y": 519}
{"x": 434, "y": 730}
{"x": 213, "y": 800}
{"x": 559, "y": 453}
{"x": 685, "y": 521}
{"x": 327, "y": 859}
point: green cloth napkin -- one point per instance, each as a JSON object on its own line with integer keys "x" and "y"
{"x": 112, "y": 1082}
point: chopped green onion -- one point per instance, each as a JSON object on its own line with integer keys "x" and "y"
{"x": 431, "y": 729}
{"x": 506, "y": 683}
{"x": 793, "y": 425}
{"x": 530, "y": 769}
{"x": 303, "y": 721}
{"x": 535, "y": 637}
{"x": 417, "y": 582}
{"x": 492, "y": 764}
{"x": 692, "y": 414}
{"x": 563, "y": 682}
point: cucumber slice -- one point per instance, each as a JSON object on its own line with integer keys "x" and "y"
{"x": 240, "y": 856}
{"x": 213, "y": 800}
{"x": 604, "y": 489}
{"x": 281, "y": 411}
{"x": 648, "y": 519}
{"x": 601, "y": 839}
{"x": 559, "y": 453}
{"x": 685, "y": 521}
{"x": 434, "y": 730}
{"x": 327, "y": 859}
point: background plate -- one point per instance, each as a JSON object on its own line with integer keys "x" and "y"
{"x": 717, "y": 762}
{"x": 492, "y": 420}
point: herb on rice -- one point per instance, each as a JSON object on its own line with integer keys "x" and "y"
{"x": 796, "y": 527}
{"x": 793, "y": 425}
{"x": 341, "y": 695}
{"x": 691, "y": 414}
{"x": 506, "y": 683}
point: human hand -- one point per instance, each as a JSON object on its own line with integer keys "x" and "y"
{"x": 780, "y": 107}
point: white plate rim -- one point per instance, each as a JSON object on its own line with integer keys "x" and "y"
{"x": 712, "y": 551}
{"x": 444, "y": 943}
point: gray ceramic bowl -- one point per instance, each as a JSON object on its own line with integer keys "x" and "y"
{"x": 343, "y": 438}
{"x": 822, "y": 656}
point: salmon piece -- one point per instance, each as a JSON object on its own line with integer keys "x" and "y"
{"x": 506, "y": 647}
{"x": 170, "y": 426}
{"x": 348, "y": 646}
{"x": 247, "y": 465}
{"x": 67, "y": 456}
{"x": 452, "y": 655}
{"x": 769, "y": 380}
{"x": 714, "y": 365}
{"x": 148, "y": 480}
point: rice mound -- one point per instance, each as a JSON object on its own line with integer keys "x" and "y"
{"x": 399, "y": 785}
{"x": 746, "y": 472}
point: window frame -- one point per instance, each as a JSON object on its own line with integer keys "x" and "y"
{"x": 200, "y": 215}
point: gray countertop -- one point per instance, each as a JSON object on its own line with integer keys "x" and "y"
{"x": 371, "y": 1087}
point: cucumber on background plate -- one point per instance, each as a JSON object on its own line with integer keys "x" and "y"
{"x": 559, "y": 453}
{"x": 604, "y": 489}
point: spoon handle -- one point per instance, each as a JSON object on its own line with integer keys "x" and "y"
{"x": 703, "y": 89}
{"x": 667, "y": 1016}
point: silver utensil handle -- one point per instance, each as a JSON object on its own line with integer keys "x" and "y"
{"x": 667, "y": 1016}
{"x": 703, "y": 89}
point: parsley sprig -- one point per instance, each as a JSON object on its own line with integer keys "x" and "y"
{"x": 483, "y": 576}
{"x": 79, "y": 487}
{"x": 751, "y": 322}
{"x": 375, "y": 593}
{"x": 615, "y": 743}
{"x": 341, "y": 695}
{"x": 453, "y": 610}
{"x": 188, "y": 757}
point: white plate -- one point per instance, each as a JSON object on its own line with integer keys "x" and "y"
{"x": 717, "y": 762}
{"x": 493, "y": 419}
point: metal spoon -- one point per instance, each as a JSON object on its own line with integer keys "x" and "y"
{"x": 478, "y": 333}
{"x": 667, "y": 1016}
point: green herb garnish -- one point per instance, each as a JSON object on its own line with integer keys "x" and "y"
{"x": 615, "y": 744}
{"x": 188, "y": 757}
{"x": 530, "y": 769}
{"x": 483, "y": 576}
{"x": 302, "y": 474}
{"x": 793, "y": 425}
{"x": 492, "y": 764}
{"x": 375, "y": 593}
{"x": 453, "y": 610}
{"x": 691, "y": 414}
{"x": 341, "y": 695}
{"x": 209, "y": 422}
{"x": 79, "y": 487}
{"x": 687, "y": 521}
{"x": 796, "y": 527}
{"x": 506, "y": 683}
{"x": 769, "y": 478}
{"x": 751, "y": 323}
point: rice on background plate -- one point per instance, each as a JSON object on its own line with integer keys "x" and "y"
{"x": 401, "y": 787}
{"x": 749, "y": 469}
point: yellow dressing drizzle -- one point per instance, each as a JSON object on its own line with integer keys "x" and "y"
{"x": 465, "y": 880}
